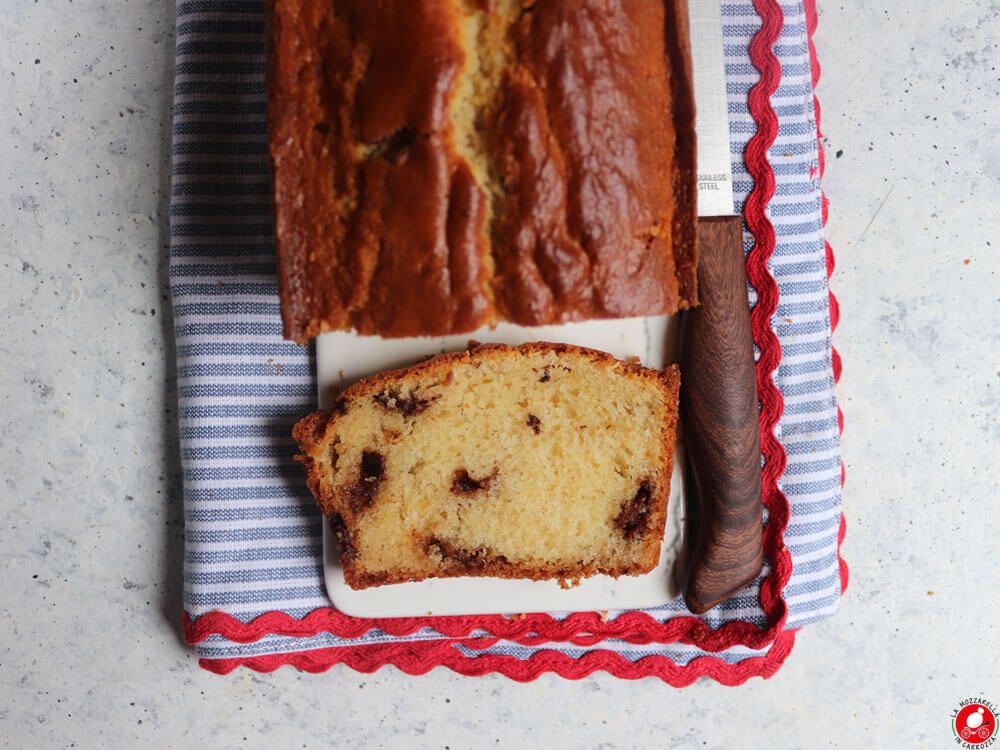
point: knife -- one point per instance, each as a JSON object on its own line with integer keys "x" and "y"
{"x": 723, "y": 549}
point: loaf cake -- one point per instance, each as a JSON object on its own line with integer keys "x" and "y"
{"x": 542, "y": 461}
{"x": 439, "y": 165}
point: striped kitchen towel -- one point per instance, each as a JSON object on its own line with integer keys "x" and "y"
{"x": 253, "y": 576}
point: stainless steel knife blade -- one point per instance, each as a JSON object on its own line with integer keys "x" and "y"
{"x": 715, "y": 172}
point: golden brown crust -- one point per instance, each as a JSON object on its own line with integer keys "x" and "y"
{"x": 313, "y": 436}
{"x": 586, "y": 209}
{"x": 310, "y": 433}
{"x": 587, "y": 135}
{"x": 489, "y": 568}
{"x": 365, "y": 179}
{"x": 685, "y": 151}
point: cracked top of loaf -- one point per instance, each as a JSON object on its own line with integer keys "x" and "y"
{"x": 439, "y": 165}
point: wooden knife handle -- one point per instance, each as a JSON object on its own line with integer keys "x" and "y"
{"x": 719, "y": 414}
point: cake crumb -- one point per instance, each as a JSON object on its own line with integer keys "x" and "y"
{"x": 384, "y": 411}
{"x": 633, "y": 360}
{"x": 967, "y": 261}
{"x": 930, "y": 593}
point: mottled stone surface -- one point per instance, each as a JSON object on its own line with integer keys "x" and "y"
{"x": 91, "y": 537}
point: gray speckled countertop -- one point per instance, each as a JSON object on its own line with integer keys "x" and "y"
{"x": 91, "y": 534}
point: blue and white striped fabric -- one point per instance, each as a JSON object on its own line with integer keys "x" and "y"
{"x": 253, "y": 535}
{"x": 808, "y": 428}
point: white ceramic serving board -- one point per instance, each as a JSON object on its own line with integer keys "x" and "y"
{"x": 343, "y": 358}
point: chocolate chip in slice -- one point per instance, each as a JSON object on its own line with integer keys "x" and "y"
{"x": 463, "y": 484}
{"x": 361, "y": 494}
{"x": 633, "y": 517}
{"x": 406, "y": 405}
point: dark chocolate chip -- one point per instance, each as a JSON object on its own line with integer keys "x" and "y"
{"x": 463, "y": 484}
{"x": 372, "y": 466}
{"x": 534, "y": 423}
{"x": 361, "y": 494}
{"x": 634, "y": 514}
{"x": 407, "y": 406}
{"x": 340, "y": 406}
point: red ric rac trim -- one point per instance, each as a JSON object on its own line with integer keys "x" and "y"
{"x": 588, "y": 628}
{"x": 420, "y": 658}
{"x": 812, "y": 21}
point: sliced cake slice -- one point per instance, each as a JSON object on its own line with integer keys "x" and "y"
{"x": 539, "y": 461}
